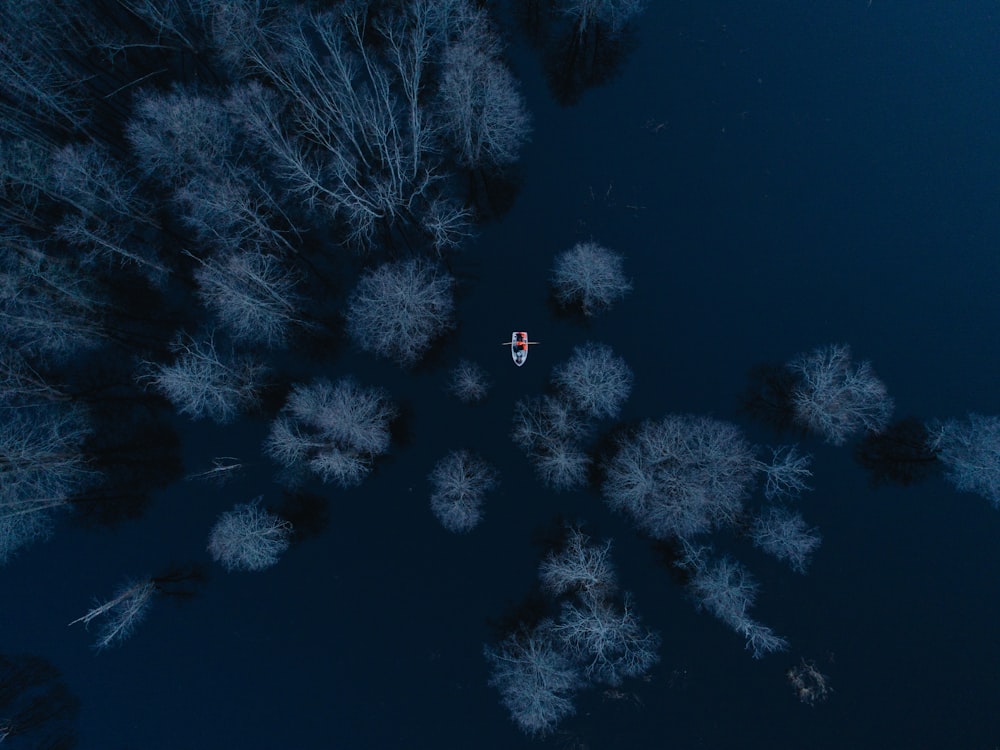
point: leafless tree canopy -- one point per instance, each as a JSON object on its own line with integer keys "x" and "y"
{"x": 681, "y": 476}
{"x": 399, "y": 309}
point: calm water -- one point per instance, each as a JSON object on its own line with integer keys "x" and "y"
{"x": 779, "y": 177}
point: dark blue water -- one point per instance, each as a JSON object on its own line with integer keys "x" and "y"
{"x": 779, "y": 176}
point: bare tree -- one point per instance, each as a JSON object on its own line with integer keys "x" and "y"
{"x": 561, "y": 464}
{"x": 726, "y": 589}
{"x": 355, "y": 149}
{"x": 594, "y": 380}
{"x": 120, "y": 614}
{"x": 128, "y": 606}
{"x": 535, "y": 678}
{"x": 787, "y": 474}
{"x": 970, "y": 452}
{"x": 180, "y": 135}
{"x": 202, "y": 383}
{"x": 224, "y": 468}
{"x": 581, "y": 567}
{"x": 249, "y": 538}
{"x": 610, "y": 642}
{"x": 184, "y": 24}
{"x": 591, "y": 276}
{"x": 48, "y": 307}
{"x": 98, "y": 200}
{"x": 23, "y": 381}
{"x": 87, "y": 177}
{"x": 235, "y": 30}
{"x": 548, "y": 429}
{"x": 335, "y": 430}
{"x": 459, "y": 481}
{"x": 41, "y": 450}
{"x": 482, "y": 111}
{"x": 468, "y": 382}
{"x": 545, "y": 420}
{"x": 254, "y": 296}
{"x": 447, "y": 223}
{"x": 340, "y": 107}
{"x": 680, "y": 476}
{"x": 43, "y": 88}
{"x": 235, "y": 212}
{"x": 783, "y": 533}
{"x": 836, "y": 398}
{"x": 398, "y": 310}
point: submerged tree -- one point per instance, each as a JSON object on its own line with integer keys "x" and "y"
{"x": 201, "y": 382}
{"x": 44, "y": 466}
{"x": 969, "y": 449}
{"x": 120, "y": 614}
{"x": 43, "y": 73}
{"x": 334, "y": 430}
{"x": 459, "y": 481}
{"x": 128, "y": 606}
{"x": 249, "y": 538}
{"x": 468, "y": 382}
{"x": 254, "y": 296}
{"x": 341, "y": 115}
{"x": 680, "y": 476}
{"x": 180, "y": 135}
{"x": 594, "y": 380}
{"x": 787, "y": 473}
{"x": 836, "y": 398}
{"x": 535, "y": 678}
{"x": 540, "y": 421}
{"x": 562, "y": 465}
{"x": 784, "y": 534}
{"x": 548, "y": 429}
{"x": 581, "y": 567}
{"x": 105, "y": 215}
{"x": 398, "y": 310}
{"x": 726, "y": 589}
{"x": 192, "y": 143}
{"x": 49, "y": 307}
{"x": 482, "y": 112}
{"x": 591, "y": 276}
{"x": 608, "y": 640}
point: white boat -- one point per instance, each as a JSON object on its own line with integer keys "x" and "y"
{"x": 519, "y": 346}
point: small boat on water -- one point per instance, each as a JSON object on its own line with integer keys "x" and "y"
{"x": 519, "y": 346}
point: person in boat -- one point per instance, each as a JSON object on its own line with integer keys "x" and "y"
{"x": 519, "y": 343}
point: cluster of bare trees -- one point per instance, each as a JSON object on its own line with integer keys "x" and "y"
{"x": 596, "y": 639}
{"x": 177, "y": 179}
{"x": 358, "y": 129}
{"x": 332, "y": 430}
{"x": 553, "y": 429}
{"x": 826, "y": 393}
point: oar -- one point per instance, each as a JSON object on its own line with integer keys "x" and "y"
{"x": 511, "y": 343}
